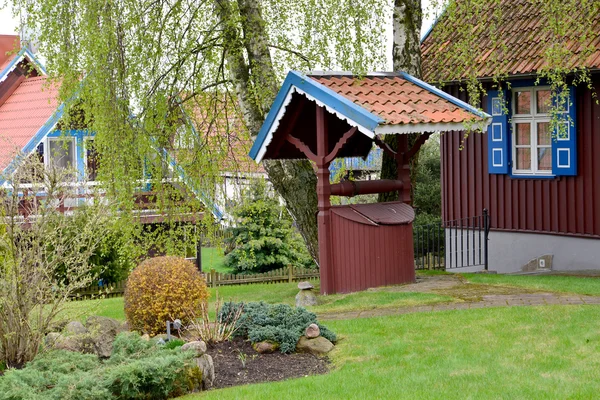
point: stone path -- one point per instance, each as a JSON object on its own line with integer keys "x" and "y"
{"x": 441, "y": 284}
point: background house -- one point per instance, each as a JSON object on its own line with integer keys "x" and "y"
{"x": 542, "y": 190}
{"x": 30, "y": 116}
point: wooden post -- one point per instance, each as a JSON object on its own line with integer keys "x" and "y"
{"x": 324, "y": 205}
{"x": 213, "y": 277}
{"x": 290, "y": 274}
{"x": 403, "y": 168}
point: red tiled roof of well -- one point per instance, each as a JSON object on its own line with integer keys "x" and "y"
{"x": 395, "y": 99}
{"x": 516, "y": 47}
{"x": 23, "y": 114}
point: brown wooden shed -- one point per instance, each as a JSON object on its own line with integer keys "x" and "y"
{"x": 324, "y": 116}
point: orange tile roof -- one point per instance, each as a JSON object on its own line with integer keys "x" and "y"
{"x": 517, "y": 47}
{"x": 23, "y": 114}
{"x": 8, "y": 43}
{"x": 395, "y": 99}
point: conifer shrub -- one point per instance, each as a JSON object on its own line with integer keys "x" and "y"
{"x": 161, "y": 289}
{"x": 137, "y": 369}
{"x": 279, "y": 323}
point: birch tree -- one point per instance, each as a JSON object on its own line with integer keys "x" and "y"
{"x": 218, "y": 60}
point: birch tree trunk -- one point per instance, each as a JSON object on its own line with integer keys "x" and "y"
{"x": 295, "y": 181}
{"x": 406, "y": 53}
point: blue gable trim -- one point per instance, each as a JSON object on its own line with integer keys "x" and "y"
{"x": 20, "y": 56}
{"x": 444, "y": 95}
{"x": 323, "y": 94}
{"x": 34, "y": 142}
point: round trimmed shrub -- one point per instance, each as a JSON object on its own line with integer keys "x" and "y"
{"x": 161, "y": 289}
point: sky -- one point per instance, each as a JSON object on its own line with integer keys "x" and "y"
{"x": 9, "y": 25}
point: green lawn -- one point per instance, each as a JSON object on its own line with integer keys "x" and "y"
{"x": 553, "y": 283}
{"x": 550, "y": 352}
{"x": 213, "y": 258}
{"x": 275, "y": 293}
{"x": 545, "y": 352}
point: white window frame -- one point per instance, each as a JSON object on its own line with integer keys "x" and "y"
{"x": 86, "y": 139}
{"x": 533, "y": 118}
{"x": 47, "y": 154}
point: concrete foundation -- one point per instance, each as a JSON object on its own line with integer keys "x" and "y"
{"x": 518, "y": 252}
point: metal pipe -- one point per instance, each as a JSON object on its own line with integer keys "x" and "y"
{"x": 353, "y": 188}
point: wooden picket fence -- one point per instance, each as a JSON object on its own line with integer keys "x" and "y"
{"x": 289, "y": 274}
{"x": 213, "y": 279}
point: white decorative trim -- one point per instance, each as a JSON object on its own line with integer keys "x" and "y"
{"x": 493, "y": 132}
{"x": 494, "y": 164}
{"x": 281, "y": 113}
{"x": 424, "y": 128}
{"x": 558, "y": 164}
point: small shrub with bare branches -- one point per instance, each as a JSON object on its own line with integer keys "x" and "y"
{"x": 40, "y": 234}
{"x": 221, "y": 329}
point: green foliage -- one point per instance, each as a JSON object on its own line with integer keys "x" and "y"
{"x": 427, "y": 196}
{"x": 264, "y": 238}
{"x": 137, "y": 369}
{"x": 161, "y": 289}
{"x": 279, "y": 323}
{"x": 174, "y": 343}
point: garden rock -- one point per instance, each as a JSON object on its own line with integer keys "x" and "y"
{"x": 146, "y": 337}
{"x": 75, "y": 328}
{"x": 265, "y": 347}
{"x": 205, "y": 363}
{"x": 198, "y": 346}
{"x": 51, "y": 338}
{"x": 312, "y": 331}
{"x": 317, "y": 346}
{"x": 80, "y": 343}
{"x": 306, "y": 298}
{"x": 103, "y": 331}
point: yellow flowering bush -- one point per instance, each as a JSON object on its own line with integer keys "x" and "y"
{"x": 161, "y": 289}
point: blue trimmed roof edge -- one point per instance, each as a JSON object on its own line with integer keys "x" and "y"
{"x": 33, "y": 142}
{"x": 320, "y": 92}
{"x": 444, "y": 95}
{"x": 24, "y": 52}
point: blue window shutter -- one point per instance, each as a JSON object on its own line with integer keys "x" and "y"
{"x": 564, "y": 145}
{"x": 498, "y": 150}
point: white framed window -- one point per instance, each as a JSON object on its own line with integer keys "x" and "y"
{"x": 531, "y": 134}
{"x": 60, "y": 153}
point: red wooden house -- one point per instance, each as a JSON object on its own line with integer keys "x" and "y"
{"x": 542, "y": 191}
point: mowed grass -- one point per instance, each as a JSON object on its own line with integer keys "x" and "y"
{"x": 274, "y": 293}
{"x": 214, "y": 258}
{"x": 550, "y": 352}
{"x": 552, "y": 283}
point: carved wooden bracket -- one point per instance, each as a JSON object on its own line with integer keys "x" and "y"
{"x": 344, "y": 139}
{"x": 300, "y": 145}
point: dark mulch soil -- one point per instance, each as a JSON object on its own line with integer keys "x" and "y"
{"x": 229, "y": 370}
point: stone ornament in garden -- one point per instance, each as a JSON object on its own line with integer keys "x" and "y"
{"x": 305, "y": 297}
{"x": 312, "y": 331}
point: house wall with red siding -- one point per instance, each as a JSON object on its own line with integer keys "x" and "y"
{"x": 563, "y": 205}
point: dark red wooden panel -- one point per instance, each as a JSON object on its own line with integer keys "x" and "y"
{"x": 568, "y": 205}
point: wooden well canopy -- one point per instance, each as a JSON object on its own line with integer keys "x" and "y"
{"x": 323, "y": 116}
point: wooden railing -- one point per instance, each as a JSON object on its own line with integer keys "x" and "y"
{"x": 213, "y": 279}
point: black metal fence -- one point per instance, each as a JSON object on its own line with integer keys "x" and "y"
{"x": 452, "y": 244}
